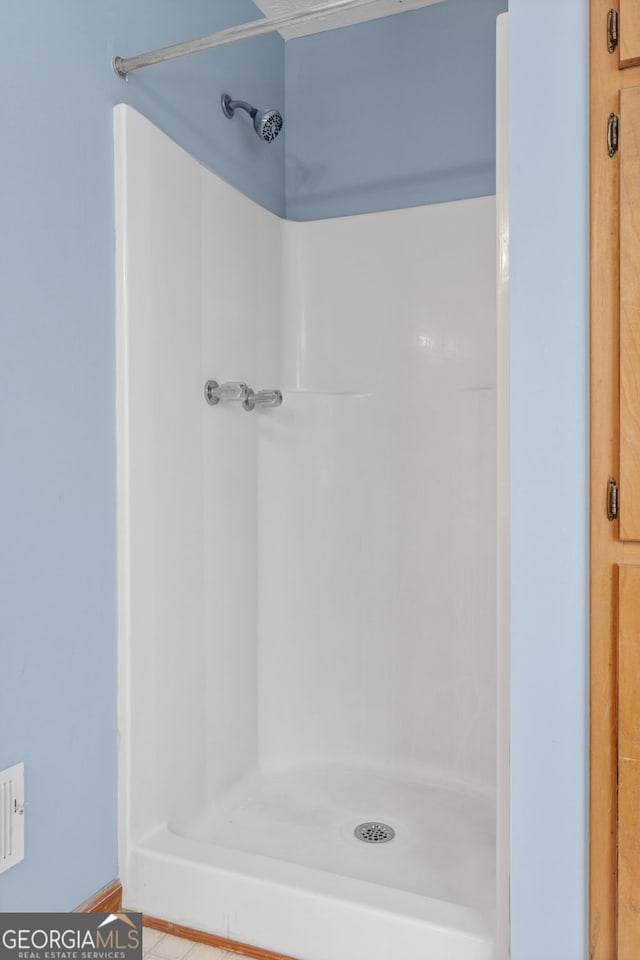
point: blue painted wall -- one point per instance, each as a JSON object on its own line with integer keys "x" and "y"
{"x": 393, "y": 113}
{"x": 549, "y": 410}
{"x": 58, "y": 603}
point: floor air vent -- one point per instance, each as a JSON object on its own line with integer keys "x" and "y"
{"x": 11, "y": 816}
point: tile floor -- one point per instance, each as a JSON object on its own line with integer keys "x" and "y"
{"x": 162, "y": 946}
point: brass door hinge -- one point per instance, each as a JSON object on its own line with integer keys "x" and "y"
{"x": 613, "y": 499}
{"x": 613, "y": 134}
{"x": 612, "y": 30}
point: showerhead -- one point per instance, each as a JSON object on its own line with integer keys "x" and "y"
{"x": 266, "y": 123}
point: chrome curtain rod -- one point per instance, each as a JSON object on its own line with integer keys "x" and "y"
{"x": 126, "y": 65}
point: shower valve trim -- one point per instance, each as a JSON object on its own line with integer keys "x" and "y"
{"x": 236, "y": 390}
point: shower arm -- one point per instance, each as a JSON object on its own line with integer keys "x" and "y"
{"x": 123, "y": 66}
{"x": 232, "y": 105}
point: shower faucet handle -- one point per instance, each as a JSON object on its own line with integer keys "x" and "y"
{"x": 214, "y": 392}
{"x": 263, "y": 398}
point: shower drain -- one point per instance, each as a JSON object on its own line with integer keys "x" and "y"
{"x": 372, "y": 832}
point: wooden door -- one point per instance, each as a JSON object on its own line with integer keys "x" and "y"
{"x": 628, "y": 756}
{"x": 615, "y": 465}
{"x": 629, "y": 259}
{"x": 629, "y": 33}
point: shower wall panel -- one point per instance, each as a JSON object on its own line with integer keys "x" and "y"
{"x": 160, "y": 468}
{"x": 377, "y": 537}
{"x": 241, "y": 319}
{"x": 199, "y": 279}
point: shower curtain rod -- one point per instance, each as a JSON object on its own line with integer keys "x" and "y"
{"x": 255, "y": 28}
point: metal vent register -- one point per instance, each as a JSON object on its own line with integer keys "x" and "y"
{"x": 373, "y": 832}
{"x": 11, "y": 816}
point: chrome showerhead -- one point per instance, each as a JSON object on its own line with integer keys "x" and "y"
{"x": 266, "y": 123}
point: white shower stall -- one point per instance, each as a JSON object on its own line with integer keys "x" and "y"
{"x": 308, "y": 593}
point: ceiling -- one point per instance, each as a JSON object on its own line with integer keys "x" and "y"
{"x": 380, "y": 8}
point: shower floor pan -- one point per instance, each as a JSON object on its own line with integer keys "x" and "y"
{"x": 277, "y": 864}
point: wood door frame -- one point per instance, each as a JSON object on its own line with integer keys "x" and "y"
{"x": 607, "y": 552}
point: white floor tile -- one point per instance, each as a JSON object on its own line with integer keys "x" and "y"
{"x": 203, "y": 952}
{"x": 160, "y": 946}
{"x": 150, "y": 938}
{"x": 171, "y": 948}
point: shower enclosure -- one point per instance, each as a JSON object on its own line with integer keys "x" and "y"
{"x": 308, "y": 592}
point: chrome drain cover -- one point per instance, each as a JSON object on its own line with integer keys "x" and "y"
{"x": 373, "y": 832}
